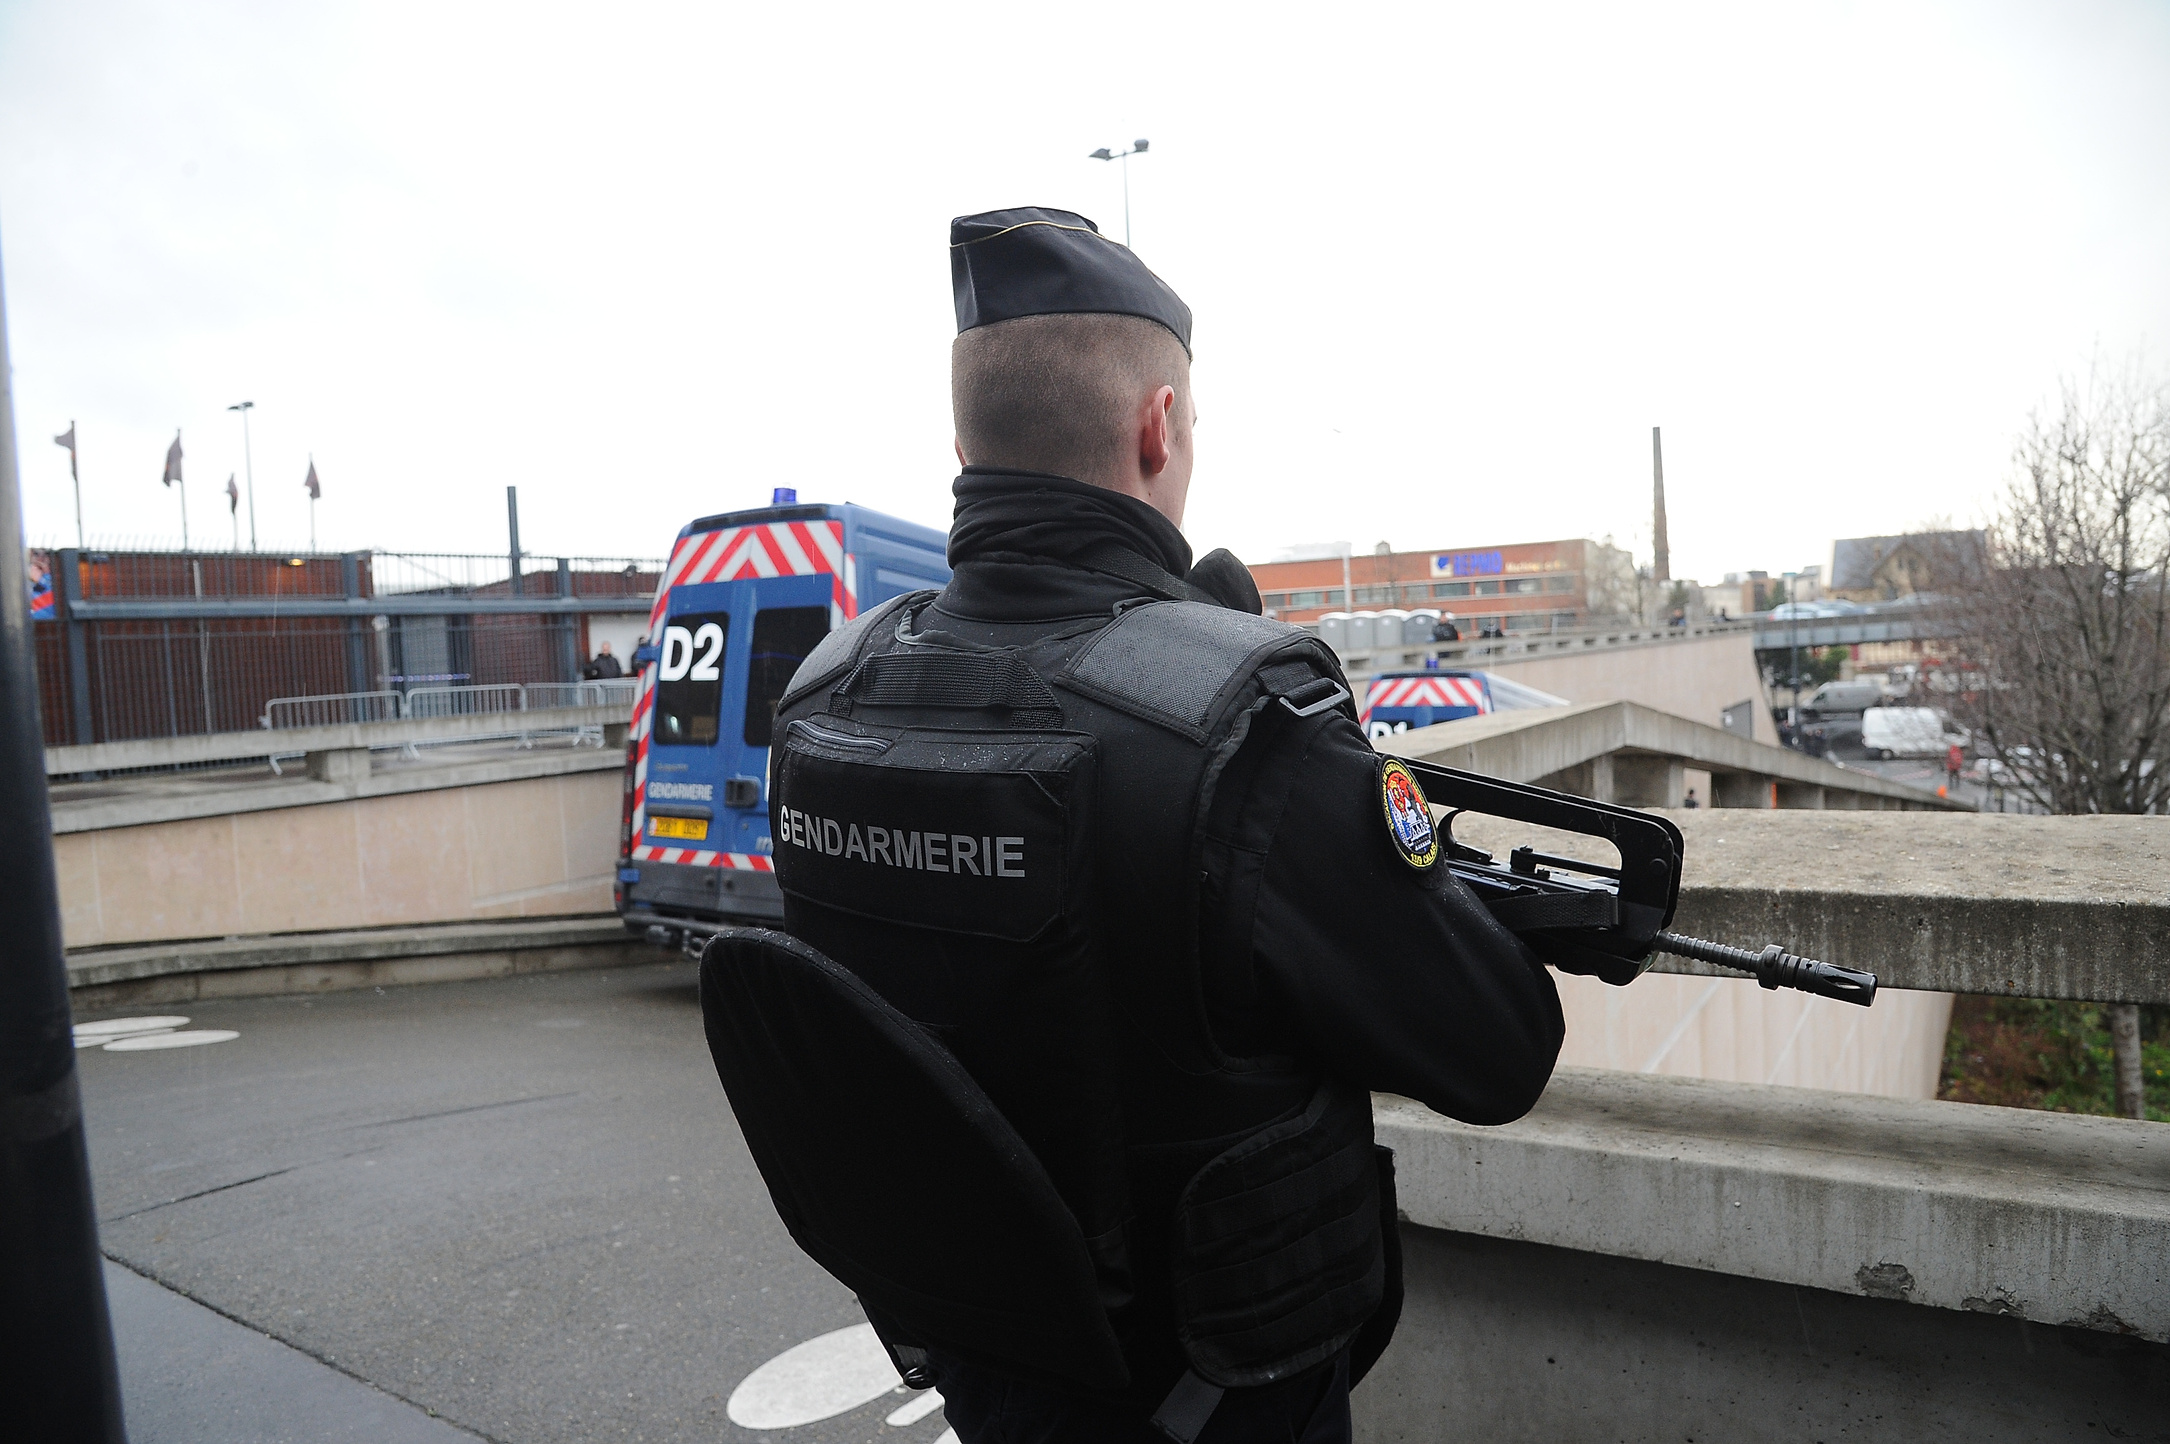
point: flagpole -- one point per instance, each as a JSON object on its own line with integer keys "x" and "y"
{"x": 172, "y": 476}
{"x": 312, "y": 524}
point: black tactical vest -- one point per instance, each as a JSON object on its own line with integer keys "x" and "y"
{"x": 1005, "y": 843}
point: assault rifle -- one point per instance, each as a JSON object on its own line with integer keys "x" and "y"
{"x": 1587, "y": 918}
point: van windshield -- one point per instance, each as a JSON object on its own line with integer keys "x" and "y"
{"x": 782, "y": 636}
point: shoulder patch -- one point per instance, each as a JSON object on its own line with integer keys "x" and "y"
{"x": 1409, "y": 823}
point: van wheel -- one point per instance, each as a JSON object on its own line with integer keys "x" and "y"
{"x": 1886, "y": 754}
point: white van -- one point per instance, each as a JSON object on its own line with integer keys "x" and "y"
{"x": 1889, "y": 732}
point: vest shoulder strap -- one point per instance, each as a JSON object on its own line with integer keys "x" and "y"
{"x": 1180, "y": 664}
{"x": 838, "y": 652}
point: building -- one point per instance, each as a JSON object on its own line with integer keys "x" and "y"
{"x": 1885, "y": 568}
{"x": 1760, "y": 591}
{"x": 1530, "y": 586}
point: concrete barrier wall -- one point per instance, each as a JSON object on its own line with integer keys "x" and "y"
{"x": 1519, "y": 1343}
{"x": 1696, "y": 678}
{"x": 538, "y": 847}
{"x": 1732, "y": 1030}
{"x": 1663, "y": 1259}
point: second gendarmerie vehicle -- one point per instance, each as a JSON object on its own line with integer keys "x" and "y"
{"x": 745, "y": 596}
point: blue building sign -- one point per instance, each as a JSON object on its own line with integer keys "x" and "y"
{"x": 1467, "y": 564}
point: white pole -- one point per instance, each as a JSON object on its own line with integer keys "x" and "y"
{"x": 1126, "y": 201}
{"x": 248, "y": 466}
{"x": 76, "y": 475}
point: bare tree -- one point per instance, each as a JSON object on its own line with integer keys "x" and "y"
{"x": 2067, "y": 618}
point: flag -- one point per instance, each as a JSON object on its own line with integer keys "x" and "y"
{"x": 233, "y": 496}
{"x": 315, "y": 491}
{"x": 173, "y": 460}
{"x": 67, "y": 439}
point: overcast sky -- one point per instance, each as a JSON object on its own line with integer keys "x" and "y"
{"x": 1449, "y": 264}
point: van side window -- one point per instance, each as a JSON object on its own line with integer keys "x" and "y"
{"x": 782, "y": 636}
{"x": 689, "y": 679}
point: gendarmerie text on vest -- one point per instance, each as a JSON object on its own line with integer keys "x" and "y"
{"x": 956, "y": 852}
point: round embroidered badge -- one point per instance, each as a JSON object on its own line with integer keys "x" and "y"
{"x": 1408, "y": 815}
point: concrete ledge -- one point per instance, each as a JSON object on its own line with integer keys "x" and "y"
{"x": 1542, "y": 742}
{"x": 2032, "y": 907}
{"x": 263, "y": 742}
{"x": 2040, "y": 1216}
{"x": 1520, "y": 1342}
{"x": 139, "y": 801}
{"x": 325, "y": 962}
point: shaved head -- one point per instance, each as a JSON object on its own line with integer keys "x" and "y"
{"x": 1063, "y": 394}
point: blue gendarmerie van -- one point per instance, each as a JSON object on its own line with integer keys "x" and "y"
{"x": 744, "y": 597}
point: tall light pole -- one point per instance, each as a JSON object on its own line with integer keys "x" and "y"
{"x": 248, "y": 466}
{"x": 1793, "y": 655}
{"x": 1137, "y": 147}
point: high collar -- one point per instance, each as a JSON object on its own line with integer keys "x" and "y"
{"x": 1015, "y": 515}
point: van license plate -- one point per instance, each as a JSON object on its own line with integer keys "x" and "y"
{"x": 692, "y": 829}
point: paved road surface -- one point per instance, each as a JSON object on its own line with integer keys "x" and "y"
{"x": 522, "y": 1204}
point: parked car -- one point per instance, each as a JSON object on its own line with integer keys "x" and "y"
{"x": 1838, "y": 737}
{"x": 1805, "y": 611}
{"x": 1893, "y": 732}
{"x": 1841, "y": 699}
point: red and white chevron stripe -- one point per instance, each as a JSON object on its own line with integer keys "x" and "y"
{"x": 767, "y": 549}
{"x": 699, "y": 857}
{"x": 1426, "y": 692}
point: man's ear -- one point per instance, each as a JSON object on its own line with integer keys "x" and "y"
{"x": 958, "y": 447}
{"x": 1156, "y": 433}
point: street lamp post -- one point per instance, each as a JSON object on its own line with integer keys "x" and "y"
{"x": 1793, "y": 656}
{"x": 248, "y": 466}
{"x": 1137, "y": 147}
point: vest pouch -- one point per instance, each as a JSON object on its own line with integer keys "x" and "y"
{"x": 951, "y": 870}
{"x": 1277, "y": 1256}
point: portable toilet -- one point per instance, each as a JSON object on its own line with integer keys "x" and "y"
{"x": 1416, "y": 631}
{"x": 1334, "y": 630}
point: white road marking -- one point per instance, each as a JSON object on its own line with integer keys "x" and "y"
{"x": 915, "y": 1409}
{"x": 816, "y": 1380}
{"x": 147, "y": 1042}
{"x": 102, "y": 1040}
{"x": 106, "y": 1030}
{"x": 948, "y": 1436}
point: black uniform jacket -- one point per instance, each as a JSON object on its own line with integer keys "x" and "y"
{"x": 1319, "y": 941}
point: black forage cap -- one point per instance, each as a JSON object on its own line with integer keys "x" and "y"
{"x": 1038, "y": 262}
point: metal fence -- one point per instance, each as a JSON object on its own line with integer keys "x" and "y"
{"x": 487, "y": 699}
{"x": 158, "y": 644}
{"x": 332, "y": 710}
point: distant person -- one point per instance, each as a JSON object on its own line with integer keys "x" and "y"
{"x": 1444, "y": 629}
{"x": 1692, "y": 801}
{"x": 644, "y": 655}
{"x": 1955, "y": 762}
{"x": 1489, "y": 630}
{"x": 604, "y": 667}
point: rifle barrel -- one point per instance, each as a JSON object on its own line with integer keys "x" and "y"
{"x": 1774, "y": 967}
